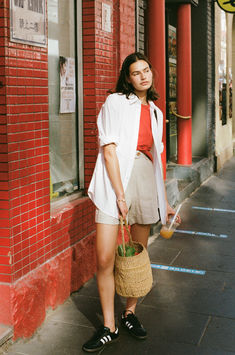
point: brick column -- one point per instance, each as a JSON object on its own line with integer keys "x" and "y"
{"x": 127, "y": 28}
{"x": 156, "y": 53}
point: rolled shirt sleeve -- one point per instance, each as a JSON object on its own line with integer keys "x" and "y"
{"x": 108, "y": 123}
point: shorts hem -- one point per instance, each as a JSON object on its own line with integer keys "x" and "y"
{"x": 143, "y": 222}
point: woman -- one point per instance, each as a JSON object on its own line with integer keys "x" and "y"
{"x": 127, "y": 181}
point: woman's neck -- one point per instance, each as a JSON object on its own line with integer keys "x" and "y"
{"x": 142, "y": 97}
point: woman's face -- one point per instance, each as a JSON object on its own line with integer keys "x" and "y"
{"x": 140, "y": 76}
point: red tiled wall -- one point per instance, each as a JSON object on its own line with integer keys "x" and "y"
{"x": 5, "y": 267}
{"x": 26, "y": 88}
{"x": 127, "y": 28}
{"x": 99, "y": 49}
{"x": 30, "y": 235}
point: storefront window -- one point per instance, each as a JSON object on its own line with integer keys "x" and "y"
{"x": 62, "y": 97}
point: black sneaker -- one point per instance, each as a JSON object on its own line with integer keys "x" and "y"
{"x": 102, "y": 337}
{"x": 132, "y": 324}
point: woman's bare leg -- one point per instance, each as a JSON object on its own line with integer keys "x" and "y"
{"x": 140, "y": 233}
{"x": 106, "y": 239}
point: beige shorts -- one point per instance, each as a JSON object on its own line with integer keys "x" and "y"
{"x": 141, "y": 195}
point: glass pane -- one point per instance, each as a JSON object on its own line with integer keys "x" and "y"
{"x": 62, "y": 117}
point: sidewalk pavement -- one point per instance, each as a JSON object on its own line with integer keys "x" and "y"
{"x": 190, "y": 310}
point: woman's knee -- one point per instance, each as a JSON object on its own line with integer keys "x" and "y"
{"x": 105, "y": 263}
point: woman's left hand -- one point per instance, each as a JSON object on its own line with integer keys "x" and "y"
{"x": 171, "y": 212}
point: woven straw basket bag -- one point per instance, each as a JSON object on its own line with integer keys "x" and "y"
{"x": 133, "y": 274}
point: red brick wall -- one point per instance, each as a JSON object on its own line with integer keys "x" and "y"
{"x": 26, "y": 201}
{"x": 4, "y": 185}
{"x": 127, "y": 28}
{"x": 99, "y": 50}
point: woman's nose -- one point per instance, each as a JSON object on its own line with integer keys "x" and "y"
{"x": 143, "y": 76}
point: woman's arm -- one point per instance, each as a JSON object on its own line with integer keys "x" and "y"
{"x": 113, "y": 169}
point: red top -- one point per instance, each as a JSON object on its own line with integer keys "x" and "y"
{"x": 145, "y": 140}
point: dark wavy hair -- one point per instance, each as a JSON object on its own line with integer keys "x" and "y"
{"x": 124, "y": 87}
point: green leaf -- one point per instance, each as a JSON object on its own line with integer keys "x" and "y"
{"x": 120, "y": 250}
{"x": 130, "y": 251}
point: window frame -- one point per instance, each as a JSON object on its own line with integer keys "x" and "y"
{"x": 60, "y": 201}
{"x": 79, "y": 101}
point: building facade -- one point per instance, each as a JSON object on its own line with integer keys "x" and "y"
{"x": 58, "y": 59}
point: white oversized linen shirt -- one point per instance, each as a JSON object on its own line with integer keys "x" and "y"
{"x": 118, "y": 122}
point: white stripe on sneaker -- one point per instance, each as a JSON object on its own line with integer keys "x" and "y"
{"x": 105, "y": 339}
{"x": 129, "y": 325}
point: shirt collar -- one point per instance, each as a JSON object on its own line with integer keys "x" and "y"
{"x": 133, "y": 99}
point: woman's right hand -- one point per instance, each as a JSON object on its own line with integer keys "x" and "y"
{"x": 123, "y": 209}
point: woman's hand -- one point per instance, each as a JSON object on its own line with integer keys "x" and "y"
{"x": 171, "y": 212}
{"x": 122, "y": 207}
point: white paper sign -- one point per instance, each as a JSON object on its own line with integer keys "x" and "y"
{"x": 67, "y": 85}
{"x": 28, "y": 22}
{"x": 106, "y": 17}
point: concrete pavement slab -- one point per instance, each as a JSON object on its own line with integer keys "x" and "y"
{"x": 164, "y": 255}
{"x": 161, "y": 348}
{"x": 198, "y": 243}
{"x": 54, "y": 338}
{"x": 220, "y": 334}
{"x": 211, "y": 279}
{"x": 205, "y": 260}
{"x": 207, "y": 301}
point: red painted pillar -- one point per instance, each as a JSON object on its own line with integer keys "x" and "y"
{"x": 156, "y": 54}
{"x": 184, "y": 85}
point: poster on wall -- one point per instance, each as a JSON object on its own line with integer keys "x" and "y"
{"x": 172, "y": 80}
{"x": 67, "y": 85}
{"x": 28, "y": 22}
{"x": 223, "y": 71}
{"x": 172, "y": 55}
{"x": 173, "y": 119}
{"x": 172, "y": 44}
{"x": 172, "y": 61}
{"x": 230, "y": 93}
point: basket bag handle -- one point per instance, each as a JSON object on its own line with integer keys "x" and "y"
{"x": 124, "y": 222}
